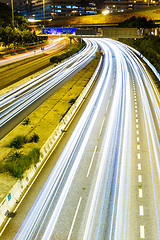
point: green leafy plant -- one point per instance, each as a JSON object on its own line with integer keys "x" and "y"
{"x": 26, "y": 121}
{"x": 18, "y": 142}
{"x": 34, "y": 138}
{"x": 17, "y": 163}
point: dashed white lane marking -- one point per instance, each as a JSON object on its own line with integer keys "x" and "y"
{"x": 107, "y": 106}
{"x": 138, "y": 147}
{"x": 136, "y": 110}
{"x": 135, "y": 106}
{"x": 135, "y": 103}
{"x": 139, "y": 178}
{"x": 101, "y": 127}
{"x": 137, "y": 126}
{"x": 136, "y": 115}
{"x": 137, "y": 132}
{"x": 140, "y": 193}
{"x": 141, "y": 211}
{"x": 142, "y": 233}
{"x": 138, "y": 138}
{"x": 74, "y": 219}
{"x": 139, "y": 156}
{"x": 139, "y": 166}
{"x": 89, "y": 169}
{"x": 136, "y": 120}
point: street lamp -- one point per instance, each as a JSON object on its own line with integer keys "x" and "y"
{"x": 12, "y": 14}
{"x": 105, "y": 12}
{"x": 44, "y": 11}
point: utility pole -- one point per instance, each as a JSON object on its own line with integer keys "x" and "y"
{"x": 12, "y": 14}
{"x": 44, "y": 12}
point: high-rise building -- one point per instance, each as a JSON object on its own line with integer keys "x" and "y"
{"x": 47, "y": 9}
{"x": 124, "y": 5}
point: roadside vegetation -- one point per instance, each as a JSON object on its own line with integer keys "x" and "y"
{"x": 18, "y": 35}
{"x": 19, "y": 152}
{"x": 14, "y": 72}
{"x": 136, "y": 22}
{"x": 68, "y": 53}
{"x": 149, "y": 46}
{"x": 17, "y": 163}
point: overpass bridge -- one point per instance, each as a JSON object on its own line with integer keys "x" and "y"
{"x": 103, "y": 32}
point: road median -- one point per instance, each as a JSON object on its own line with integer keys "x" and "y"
{"x": 49, "y": 121}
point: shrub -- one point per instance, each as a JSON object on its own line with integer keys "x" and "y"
{"x": 17, "y": 163}
{"x": 34, "y": 138}
{"x": 72, "y": 101}
{"x": 26, "y": 121}
{"x": 56, "y": 59}
{"x": 18, "y": 142}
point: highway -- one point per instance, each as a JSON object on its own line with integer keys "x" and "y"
{"x": 52, "y": 44}
{"x": 15, "y": 101}
{"x": 106, "y": 182}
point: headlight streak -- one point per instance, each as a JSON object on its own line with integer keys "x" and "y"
{"x": 91, "y": 105}
{"x": 110, "y": 132}
{"x": 15, "y": 103}
{"x": 112, "y": 184}
{"x": 26, "y": 230}
{"x": 150, "y": 127}
{"x": 121, "y": 223}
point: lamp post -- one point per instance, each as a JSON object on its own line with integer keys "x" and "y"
{"x": 12, "y": 14}
{"x": 44, "y": 12}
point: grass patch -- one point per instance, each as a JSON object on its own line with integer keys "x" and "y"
{"x": 17, "y": 163}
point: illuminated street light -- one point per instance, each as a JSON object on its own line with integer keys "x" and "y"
{"x": 105, "y": 12}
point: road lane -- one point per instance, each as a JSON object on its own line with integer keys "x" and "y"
{"x": 106, "y": 181}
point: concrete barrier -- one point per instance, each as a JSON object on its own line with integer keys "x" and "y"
{"x": 11, "y": 201}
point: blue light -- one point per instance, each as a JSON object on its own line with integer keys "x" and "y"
{"x": 59, "y": 31}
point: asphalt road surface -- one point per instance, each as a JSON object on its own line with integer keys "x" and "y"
{"x": 105, "y": 184}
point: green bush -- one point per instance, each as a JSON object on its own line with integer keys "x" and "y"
{"x": 34, "y": 138}
{"x": 26, "y": 121}
{"x": 18, "y": 142}
{"x": 56, "y": 59}
{"x": 72, "y": 101}
{"x": 149, "y": 46}
{"x": 17, "y": 163}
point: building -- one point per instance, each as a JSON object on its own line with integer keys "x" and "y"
{"x": 50, "y": 9}
{"x": 127, "y": 5}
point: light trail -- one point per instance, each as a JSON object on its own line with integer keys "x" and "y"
{"x": 106, "y": 209}
{"x": 18, "y": 99}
